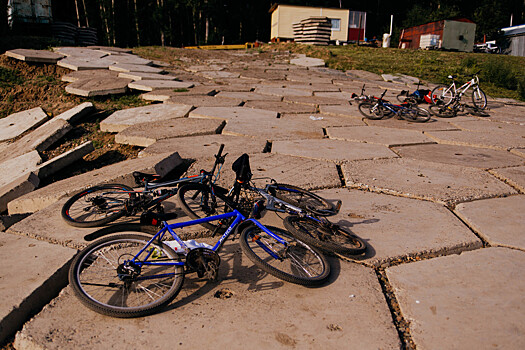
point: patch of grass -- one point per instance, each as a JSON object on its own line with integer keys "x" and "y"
{"x": 181, "y": 90}
{"x": 9, "y": 77}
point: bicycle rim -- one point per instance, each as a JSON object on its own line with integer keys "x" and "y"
{"x": 302, "y": 198}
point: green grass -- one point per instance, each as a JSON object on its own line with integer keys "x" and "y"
{"x": 501, "y": 75}
{"x": 9, "y": 77}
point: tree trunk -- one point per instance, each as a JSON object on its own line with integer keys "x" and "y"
{"x": 135, "y": 16}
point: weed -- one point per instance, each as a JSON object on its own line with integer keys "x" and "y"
{"x": 181, "y": 90}
{"x": 499, "y": 73}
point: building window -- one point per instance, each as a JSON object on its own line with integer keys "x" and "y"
{"x": 336, "y": 24}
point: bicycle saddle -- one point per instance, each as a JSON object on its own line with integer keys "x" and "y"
{"x": 140, "y": 178}
{"x": 452, "y": 76}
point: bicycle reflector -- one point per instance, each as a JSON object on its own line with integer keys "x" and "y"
{"x": 150, "y": 218}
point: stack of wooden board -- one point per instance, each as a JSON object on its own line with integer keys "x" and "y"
{"x": 313, "y": 30}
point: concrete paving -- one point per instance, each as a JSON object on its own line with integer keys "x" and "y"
{"x": 333, "y": 150}
{"x": 322, "y": 120}
{"x": 313, "y": 100}
{"x": 378, "y": 135}
{"x": 16, "y": 124}
{"x": 281, "y": 92}
{"x": 248, "y": 96}
{"x": 80, "y": 52}
{"x": 116, "y": 173}
{"x": 316, "y": 318}
{"x": 204, "y": 101}
{"x": 433, "y": 124}
{"x": 88, "y": 74}
{"x": 499, "y": 221}
{"x": 458, "y": 302}
{"x": 281, "y": 107}
{"x": 74, "y": 115}
{"x": 146, "y": 76}
{"x": 80, "y": 63}
{"x": 235, "y": 113}
{"x": 272, "y": 130}
{"x": 489, "y": 126}
{"x": 17, "y": 187}
{"x": 500, "y": 140}
{"x": 17, "y": 166}
{"x": 308, "y": 62}
{"x": 29, "y": 286}
{"x": 150, "y": 85}
{"x": 424, "y": 180}
{"x": 98, "y": 87}
{"x": 125, "y": 118}
{"x": 461, "y": 155}
{"x": 146, "y": 134}
{"x": 62, "y": 161}
{"x": 123, "y": 67}
{"x": 396, "y": 228}
{"x": 34, "y": 56}
{"x": 163, "y": 95}
{"x": 342, "y": 109}
{"x": 514, "y": 176}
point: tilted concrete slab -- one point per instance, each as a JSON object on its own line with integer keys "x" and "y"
{"x": 425, "y": 180}
{"x": 281, "y": 107}
{"x": 74, "y": 115}
{"x": 314, "y": 100}
{"x": 125, "y": 118}
{"x": 16, "y": 188}
{"x": 18, "y": 166}
{"x": 34, "y": 56}
{"x": 146, "y": 134}
{"x": 333, "y": 150}
{"x": 98, "y": 87}
{"x": 150, "y": 85}
{"x": 60, "y": 162}
{"x": 395, "y": 228}
{"x": 40, "y": 139}
{"x": 458, "y": 301}
{"x": 248, "y": 96}
{"x": 499, "y": 221}
{"x": 110, "y": 50}
{"x": 308, "y": 62}
{"x": 33, "y": 272}
{"x": 123, "y": 67}
{"x": 125, "y": 58}
{"x": 233, "y": 113}
{"x": 16, "y": 124}
{"x": 323, "y": 120}
{"x": 80, "y": 63}
{"x": 274, "y": 91}
{"x": 275, "y": 129}
{"x": 116, "y": 173}
{"x": 342, "y": 109}
{"x": 302, "y": 172}
{"x": 514, "y": 176}
{"x": 204, "y": 101}
{"x": 378, "y": 135}
{"x": 228, "y": 323}
{"x": 203, "y": 147}
{"x": 460, "y": 155}
{"x": 81, "y": 52}
{"x": 89, "y": 74}
{"x": 163, "y": 95}
{"x": 146, "y": 76}
{"x": 431, "y": 125}
{"x": 495, "y": 139}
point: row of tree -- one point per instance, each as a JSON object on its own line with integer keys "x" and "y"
{"x": 191, "y": 22}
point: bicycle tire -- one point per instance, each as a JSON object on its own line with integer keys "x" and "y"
{"x": 416, "y": 115}
{"x": 441, "y": 95}
{"x": 369, "y": 110}
{"x": 195, "y": 200}
{"x": 95, "y": 281}
{"x": 302, "y": 198}
{"x": 108, "y": 206}
{"x": 332, "y": 239}
{"x": 442, "y": 111}
{"x": 479, "y": 99}
{"x": 402, "y": 97}
{"x": 297, "y": 263}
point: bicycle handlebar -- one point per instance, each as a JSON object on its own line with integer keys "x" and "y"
{"x": 219, "y": 158}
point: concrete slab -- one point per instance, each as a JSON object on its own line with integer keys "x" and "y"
{"x": 65, "y": 159}
{"x": 308, "y": 62}
{"x": 124, "y": 58}
{"x": 204, "y": 101}
{"x": 441, "y": 296}
{"x": 80, "y": 63}
{"x": 333, "y": 150}
{"x": 488, "y": 126}
{"x": 424, "y": 180}
{"x": 248, "y": 96}
{"x": 275, "y": 129}
{"x": 496, "y": 139}
{"x": 261, "y": 74}
{"x": 125, "y": 118}
{"x": 281, "y": 92}
{"x": 323, "y": 120}
{"x": 342, "y": 109}
{"x": 34, "y": 56}
{"x": 519, "y": 151}
{"x": 116, "y": 173}
{"x": 499, "y": 221}
{"x": 314, "y": 100}
{"x": 16, "y": 188}
{"x": 123, "y": 67}
{"x": 80, "y": 52}
{"x": 16, "y": 124}
{"x": 98, "y": 87}
{"x": 460, "y": 155}
{"x": 203, "y": 147}
{"x": 40, "y": 139}
{"x": 163, "y": 95}
{"x": 146, "y": 76}
{"x": 18, "y": 166}
{"x": 514, "y": 176}
{"x": 281, "y": 107}
{"x": 363, "y": 74}
{"x": 431, "y": 125}
{"x": 146, "y": 134}
{"x": 110, "y": 50}
{"x": 74, "y": 115}
{"x": 89, "y": 74}
{"x": 227, "y": 322}
{"x": 392, "y": 226}
{"x": 31, "y": 282}
{"x": 378, "y": 135}
{"x": 219, "y": 74}
{"x": 233, "y": 113}
{"x": 7, "y": 221}
{"x": 302, "y": 172}
{"x": 345, "y": 96}
{"x": 508, "y": 114}
{"x": 150, "y": 85}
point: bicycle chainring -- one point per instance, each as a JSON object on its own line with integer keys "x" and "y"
{"x": 205, "y": 262}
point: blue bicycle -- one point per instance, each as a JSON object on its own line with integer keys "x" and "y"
{"x": 133, "y": 274}
{"x": 380, "y": 108}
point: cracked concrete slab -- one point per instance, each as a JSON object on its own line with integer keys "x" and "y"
{"x": 151, "y": 85}
{"x": 378, "y": 135}
{"x": 98, "y": 87}
{"x": 514, "y": 176}
{"x": 442, "y": 295}
{"x": 14, "y": 167}
{"x": 333, "y": 150}
{"x": 146, "y": 134}
{"x": 34, "y": 56}
{"x": 370, "y": 216}
{"x": 460, "y": 155}
{"x": 233, "y": 113}
{"x": 31, "y": 283}
{"x": 204, "y": 101}
{"x": 18, "y": 123}
{"x": 499, "y": 221}
{"x": 495, "y": 139}
{"x": 424, "y": 180}
{"x": 224, "y": 321}
{"x": 125, "y": 118}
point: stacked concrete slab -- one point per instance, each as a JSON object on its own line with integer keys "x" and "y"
{"x": 313, "y": 30}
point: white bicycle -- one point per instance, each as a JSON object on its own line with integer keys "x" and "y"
{"x": 448, "y": 95}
